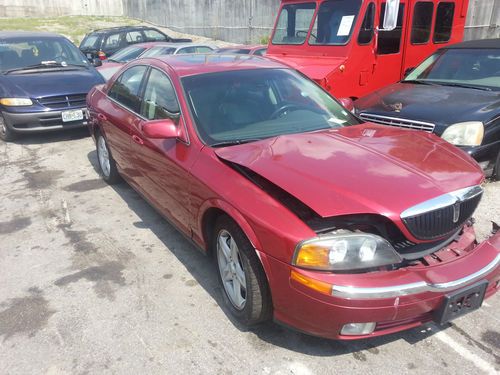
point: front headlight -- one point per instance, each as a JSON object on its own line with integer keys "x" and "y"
{"x": 465, "y": 133}
{"x": 16, "y": 102}
{"x": 345, "y": 252}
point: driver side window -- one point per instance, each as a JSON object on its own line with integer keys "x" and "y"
{"x": 126, "y": 88}
{"x": 160, "y": 101}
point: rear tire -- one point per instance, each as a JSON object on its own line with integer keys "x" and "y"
{"x": 6, "y": 134}
{"x": 244, "y": 284}
{"x": 107, "y": 165}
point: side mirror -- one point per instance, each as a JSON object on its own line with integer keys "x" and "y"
{"x": 347, "y": 103}
{"x": 97, "y": 62}
{"x": 160, "y": 129}
{"x": 391, "y": 15}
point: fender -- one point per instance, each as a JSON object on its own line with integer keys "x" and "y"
{"x": 231, "y": 212}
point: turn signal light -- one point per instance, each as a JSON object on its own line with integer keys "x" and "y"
{"x": 316, "y": 285}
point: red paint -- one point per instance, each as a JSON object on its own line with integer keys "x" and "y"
{"x": 360, "y": 169}
{"x": 355, "y": 70}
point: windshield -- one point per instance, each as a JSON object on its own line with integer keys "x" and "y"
{"x": 247, "y": 105}
{"x": 127, "y": 54}
{"x": 159, "y": 51}
{"x": 21, "y": 53}
{"x": 293, "y": 23}
{"x": 335, "y": 22}
{"x": 465, "y": 67}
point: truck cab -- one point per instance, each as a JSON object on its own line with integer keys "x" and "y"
{"x": 353, "y": 47}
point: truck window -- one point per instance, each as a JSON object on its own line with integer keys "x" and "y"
{"x": 422, "y": 22}
{"x": 293, "y": 23}
{"x": 335, "y": 22}
{"x": 444, "y": 22}
{"x": 390, "y": 41}
{"x": 366, "y": 32}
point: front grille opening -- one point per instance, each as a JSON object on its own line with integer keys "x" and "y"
{"x": 398, "y": 122}
{"x": 63, "y": 101}
{"x": 440, "y": 223}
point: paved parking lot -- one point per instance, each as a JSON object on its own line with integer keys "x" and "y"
{"x": 93, "y": 281}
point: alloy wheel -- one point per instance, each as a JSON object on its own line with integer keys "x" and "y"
{"x": 231, "y": 270}
{"x": 103, "y": 155}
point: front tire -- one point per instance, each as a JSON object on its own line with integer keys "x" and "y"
{"x": 107, "y": 164}
{"x": 496, "y": 168}
{"x": 244, "y": 283}
{"x": 6, "y": 134}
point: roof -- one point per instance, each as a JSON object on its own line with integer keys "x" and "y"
{"x": 169, "y": 44}
{"x": 119, "y": 28}
{"x": 27, "y": 34}
{"x": 187, "y": 65}
{"x": 477, "y": 44}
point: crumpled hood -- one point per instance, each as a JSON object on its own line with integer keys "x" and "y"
{"x": 359, "y": 169}
{"x": 50, "y": 83}
{"x": 443, "y": 105}
{"x": 314, "y": 67}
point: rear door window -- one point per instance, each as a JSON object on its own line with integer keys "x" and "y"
{"x": 90, "y": 41}
{"x": 367, "y": 27}
{"x": 113, "y": 41}
{"x": 203, "y": 49}
{"x": 389, "y": 42}
{"x": 444, "y": 22}
{"x": 422, "y": 22}
{"x": 126, "y": 88}
{"x": 134, "y": 37}
{"x": 187, "y": 50}
{"x": 159, "y": 51}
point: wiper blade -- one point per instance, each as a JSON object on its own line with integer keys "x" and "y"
{"x": 465, "y": 86}
{"x": 234, "y": 142}
{"x": 418, "y": 82}
{"x": 47, "y": 64}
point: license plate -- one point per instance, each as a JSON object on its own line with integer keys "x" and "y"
{"x": 89, "y": 56}
{"x": 461, "y": 302}
{"x": 73, "y": 115}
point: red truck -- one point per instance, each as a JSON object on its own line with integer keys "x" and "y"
{"x": 353, "y": 47}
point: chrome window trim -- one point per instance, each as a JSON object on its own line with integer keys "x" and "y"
{"x": 442, "y": 201}
{"x": 350, "y": 292}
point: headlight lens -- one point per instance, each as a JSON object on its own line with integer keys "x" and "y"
{"x": 344, "y": 252}
{"x": 465, "y": 133}
{"x": 16, "y": 102}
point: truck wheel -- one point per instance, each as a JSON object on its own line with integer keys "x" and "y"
{"x": 244, "y": 283}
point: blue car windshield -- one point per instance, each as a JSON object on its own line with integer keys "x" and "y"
{"x": 19, "y": 53}
{"x": 247, "y": 105}
{"x": 460, "y": 67}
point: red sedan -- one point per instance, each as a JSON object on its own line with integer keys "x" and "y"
{"x": 329, "y": 225}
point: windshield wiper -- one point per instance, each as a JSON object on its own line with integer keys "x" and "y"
{"x": 49, "y": 64}
{"x": 235, "y": 142}
{"x": 465, "y": 86}
{"x": 418, "y": 82}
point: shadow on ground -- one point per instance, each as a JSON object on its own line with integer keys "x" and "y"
{"x": 51, "y": 137}
{"x": 203, "y": 271}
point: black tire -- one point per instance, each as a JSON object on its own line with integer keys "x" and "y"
{"x": 496, "y": 168}
{"x": 258, "y": 304}
{"x": 6, "y": 134}
{"x": 108, "y": 173}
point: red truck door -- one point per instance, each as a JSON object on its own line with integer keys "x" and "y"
{"x": 390, "y": 47}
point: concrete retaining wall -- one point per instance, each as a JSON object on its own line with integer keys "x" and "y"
{"x": 49, "y": 8}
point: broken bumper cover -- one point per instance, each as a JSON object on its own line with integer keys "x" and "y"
{"x": 390, "y": 300}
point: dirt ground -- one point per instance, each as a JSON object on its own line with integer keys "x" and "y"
{"x": 93, "y": 281}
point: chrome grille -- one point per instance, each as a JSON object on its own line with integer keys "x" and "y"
{"x": 63, "y": 101}
{"x": 398, "y": 122}
{"x": 442, "y": 216}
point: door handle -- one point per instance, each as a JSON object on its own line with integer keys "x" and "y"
{"x": 101, "y": 117}
{"x": 138, "y": 139}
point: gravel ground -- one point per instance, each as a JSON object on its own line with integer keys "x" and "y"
{"x": 93, "y": 281}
